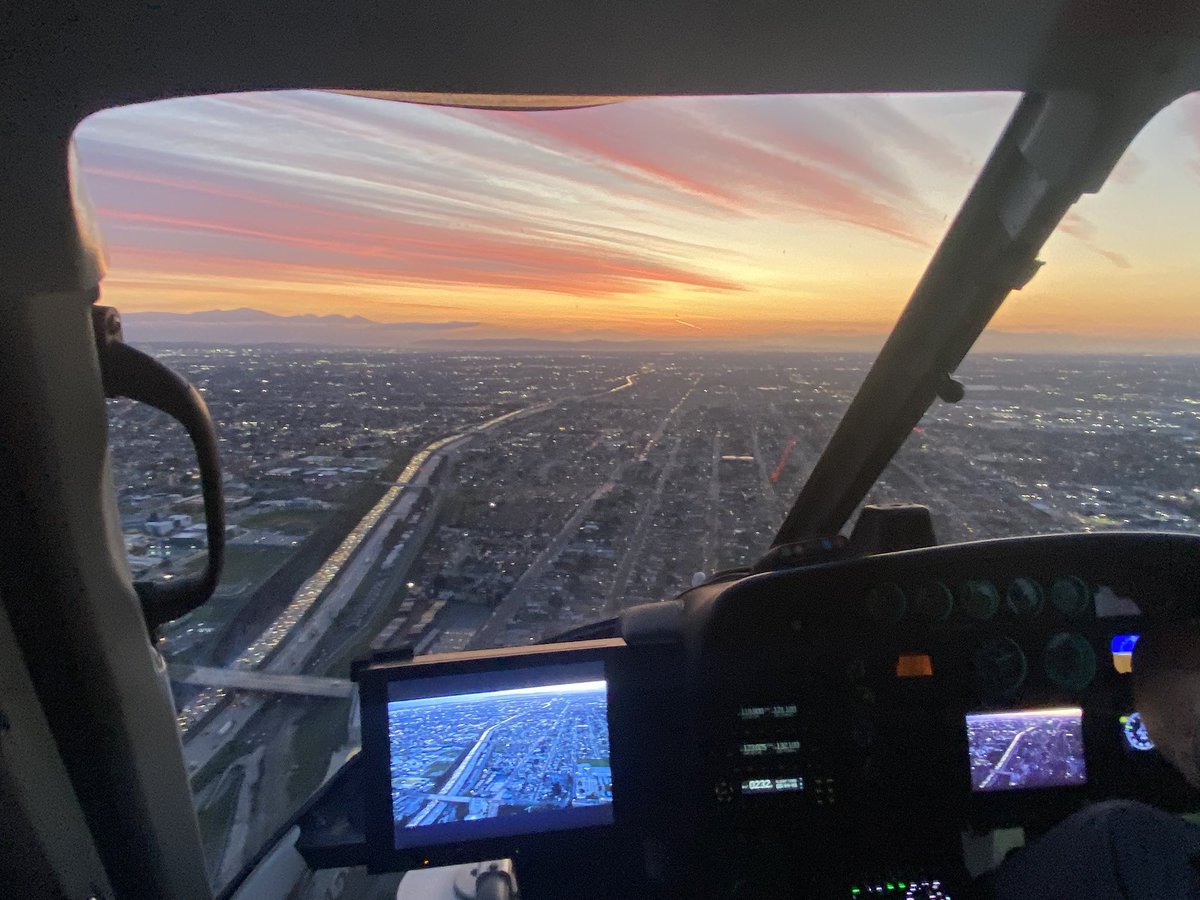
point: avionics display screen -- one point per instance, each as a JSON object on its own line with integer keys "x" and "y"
{"x": 791, "y": 785}
{"x": 1122, "y": 652}
{"x": 1034, "y": 748}
{"x": 485, "y": 755}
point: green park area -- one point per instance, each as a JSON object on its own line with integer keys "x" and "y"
{"x": 247, "y": 567}
{"x": 245, "y": 570}
{"x": 288, "y": 521}
{"x": 319, "y": 732}
{"x": 438, "y": 767}
{"x": 216, "y": 816}
{"x": 229, "y": 753}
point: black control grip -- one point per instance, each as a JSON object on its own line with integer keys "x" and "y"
{"x": 127, "y": 372}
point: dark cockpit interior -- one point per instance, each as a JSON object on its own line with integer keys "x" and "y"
{"x": 838, "y": 727}
{"x": 860, "y": 712}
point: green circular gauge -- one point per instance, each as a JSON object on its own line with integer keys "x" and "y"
{"x": 1024, "y": 597}
{"x": 1069, "y": 661}
{"x": 933, "y": 602}
{"x": 886, "y": 603}
{"x": 1000, "y": 667}
{"x": 979, "y": 600}
{"x": 1070, "y": 595}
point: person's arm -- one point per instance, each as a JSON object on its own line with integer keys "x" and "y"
{"x": 1166, "y": 689}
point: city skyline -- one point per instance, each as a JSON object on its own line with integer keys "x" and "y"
{"x": 788, "y": 221}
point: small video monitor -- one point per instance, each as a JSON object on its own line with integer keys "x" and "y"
{"x": 1023, "y": 749}
{"x": 486, "y": 748}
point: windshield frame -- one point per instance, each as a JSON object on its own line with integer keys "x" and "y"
{"x": 1056, "y": 147}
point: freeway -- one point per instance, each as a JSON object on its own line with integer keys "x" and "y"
{"x": 460, "y": 778}
{"x": 303, "y": 635}
{"x": 629, "y": 381}
{"x": 1000, "y": 768}
{"x": 269, "y": 682}
{"x": 284, "y": 648}
{"x": 344, "y": 566}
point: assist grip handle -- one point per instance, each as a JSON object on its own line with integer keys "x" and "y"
{"x": 128, "y": 372}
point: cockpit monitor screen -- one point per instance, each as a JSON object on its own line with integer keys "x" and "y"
{"x": 1022, "y": 749}
{"x": 492, "y": 754}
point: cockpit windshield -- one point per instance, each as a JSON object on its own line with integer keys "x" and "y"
{"x": 483, "y": 376}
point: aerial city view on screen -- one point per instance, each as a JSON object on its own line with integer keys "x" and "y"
{"x": 499, "y": 753}
{"x": 1026, "y": 749}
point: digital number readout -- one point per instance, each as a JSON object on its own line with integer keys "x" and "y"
{"x": 777, "y": 711}
{"x": 766, "y": 748}
{"x": 772, "y": 785}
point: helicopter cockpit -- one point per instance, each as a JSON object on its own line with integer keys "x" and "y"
{"x": 859, "y": 711}
{"x": 784, "y": 755}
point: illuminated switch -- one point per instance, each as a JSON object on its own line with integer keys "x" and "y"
{"x": 1122, "y": 652}
{"x": 914, "y": 665}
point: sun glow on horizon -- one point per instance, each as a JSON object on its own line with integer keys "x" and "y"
{"x": 685, "y": 219}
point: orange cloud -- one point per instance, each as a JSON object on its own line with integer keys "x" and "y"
{"x": 759, "y": 216}
{"x": 714, "y": 165}
{"x": 1086, "y": 232}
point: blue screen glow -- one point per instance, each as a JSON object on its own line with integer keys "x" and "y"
{"x": 1035, "y": 748}
{"x": 1123, "y": 643}
{"x": 1122, "y": 652}
{"x": 501, "y": 762}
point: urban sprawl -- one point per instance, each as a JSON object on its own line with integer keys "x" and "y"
{"x": 471, "y": 500}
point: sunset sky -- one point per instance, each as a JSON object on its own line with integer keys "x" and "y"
{"x": 769, "y": 220}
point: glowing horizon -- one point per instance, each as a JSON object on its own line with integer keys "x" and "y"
{"x": 569, "y": 687}
{"x": 679, "y": 219}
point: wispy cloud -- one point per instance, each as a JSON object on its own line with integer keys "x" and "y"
{"x": 1086, "y": 232}
{"x": 346, "y": 202}
{"x": 755, "y": 156}
{"x": 1129, "y": 169}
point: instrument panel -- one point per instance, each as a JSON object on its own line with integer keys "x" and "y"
{"x": 835, "y": 730}
{"x": 867, "y": 712}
